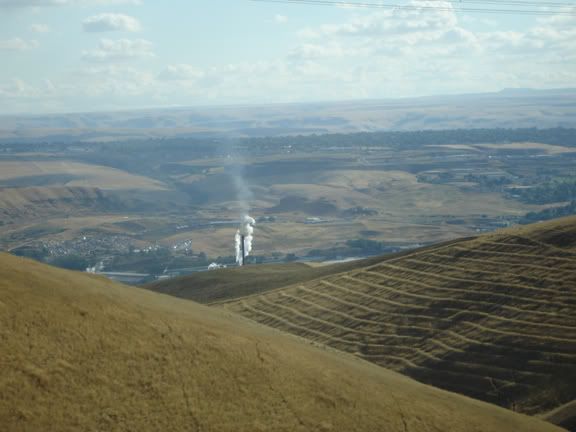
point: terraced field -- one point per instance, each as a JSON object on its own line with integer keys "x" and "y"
{"x": 493, "y": 318}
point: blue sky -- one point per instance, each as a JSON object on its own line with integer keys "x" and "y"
{"x": 92, "y": 55}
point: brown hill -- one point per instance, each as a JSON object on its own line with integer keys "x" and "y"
{"x": 230, "y": 283}
{"x": 83, "y": 353}
{"x": 564, "y": 416}
{"x": 493, "y": 318}
{"x": 30, "y": 202}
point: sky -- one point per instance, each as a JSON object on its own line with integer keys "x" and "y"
{"x": 103, "y": 55}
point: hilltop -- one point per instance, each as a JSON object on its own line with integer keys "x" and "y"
{"x": 83, "y": 353}
{"x": 229, "y": 283}
{"x": 507, "y": 108}
{"x": 222, "y": 285}
{"x": 491, "y": 317}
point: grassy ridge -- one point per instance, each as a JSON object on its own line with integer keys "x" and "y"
{"x": 492, "y": 317}
{"x": 226, "y": 284}
{"x": 83, "y": 353}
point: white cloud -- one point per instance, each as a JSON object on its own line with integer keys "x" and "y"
{"x": 390, "y": 33}
{"x": 17, "y": 44}
{"x": 40, "y": 28}
{"x": 119, "y": 49}
{"x": 412, "y": 52}
{"x": 552, "y": 39}
{"x": 94, "y": 87}
{"x": 469, "y": 19}
{"x": 309, "y": 51}
{"x": 366, "y": 54}
{"x": 280, "y": 19}
{"x": 17, "y": 88}
{"x": 111, "y": 80}
{"x": 435, "y": 35}
{"x": 395, "y": 22}
{"x": 107, "y": 2}
{"x": 181, "y": 72}
{"x": 111, "y": 22}
{"x": 47, "y": 3}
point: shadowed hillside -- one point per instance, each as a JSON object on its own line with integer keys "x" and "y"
{"x": 564, "y": 416}
{"x": 226, "y": 284}
{"x": 83, "y": 353}
{"x": 493, "y": 318}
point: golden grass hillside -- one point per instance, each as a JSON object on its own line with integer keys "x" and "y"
{"x": 36, "y": 202}
{"x": 73, "y": 174}
{"x": 81, "y": 353}
{"x": 493, "y": 318}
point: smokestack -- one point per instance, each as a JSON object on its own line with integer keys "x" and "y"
{"x": 243, "y": 239}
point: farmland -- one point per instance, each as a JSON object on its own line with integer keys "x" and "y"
{"x": 315, "y": 197}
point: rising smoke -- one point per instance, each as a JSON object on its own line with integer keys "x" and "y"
{"x": 243, "y": 239}
{"x": 244, "y": 196}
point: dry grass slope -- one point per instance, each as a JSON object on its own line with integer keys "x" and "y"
{"x": 80, "y": 353}
{"x": 493, "y": 318}
{"x": 226, "y": 284}
{"x": 29, "y": 202}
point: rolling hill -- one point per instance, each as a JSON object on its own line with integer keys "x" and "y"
{"x": 82, "y": 353}
{"x": 493, "y": 317}
{"x": 40, "y": 202}
{"x": 226, "y": 284}
{"x": 507, "y": 108}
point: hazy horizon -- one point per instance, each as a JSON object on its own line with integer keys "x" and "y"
{"x": 108, "y": 55}
{"x": 504, "y": 91}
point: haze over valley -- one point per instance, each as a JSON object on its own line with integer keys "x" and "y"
{"x": 116, "y": 203}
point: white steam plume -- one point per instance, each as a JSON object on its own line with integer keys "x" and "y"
{"x": 245, "y": 232}
{"x": 244, "y": 196}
